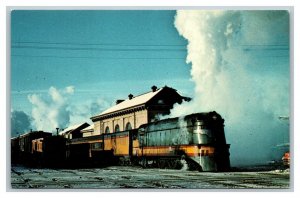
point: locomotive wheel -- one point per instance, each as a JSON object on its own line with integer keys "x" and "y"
{"x": 144, "y": 163}
{"x": 121, "y": 161}
{"x": 174, "y": 164}
{"x": 161, "y": 164}
{"x": 124, "y": 161}
{"x": 178, "y": 164}
{"x": 128, "y": 162}
{"x": 170, "y": 164}
{"x": 167, "y": 164}
{"x": 134, "y": 161}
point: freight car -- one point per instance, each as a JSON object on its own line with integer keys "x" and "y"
{"x": 15, "y": 150}
{"x": 21, "y": 147}
{"x": 49, "y": 151}
{"x": 103, "y": 150}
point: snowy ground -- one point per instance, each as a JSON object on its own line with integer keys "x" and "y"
{"x": 136, "y": 177}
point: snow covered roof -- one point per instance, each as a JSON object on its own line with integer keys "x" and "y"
{"x": 135, "y": 101}
{"x": 87, "y": 129}
{"x": 32, "y": 132}
{"x": 71, "y": 128}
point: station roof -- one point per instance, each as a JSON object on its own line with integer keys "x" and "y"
{"x": 72, "y": 128}
{"x": 35, "y": 132}
{"x": 88, "y": 129}
{"x": 135, "y": 101}
{"x": 140, "y": 101}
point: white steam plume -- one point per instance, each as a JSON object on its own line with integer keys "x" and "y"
{"x": 51, "y": 112}
{"x": 240, "y": 66}
{"x": 57, "y": 109}
{"x": 87, "y": 109}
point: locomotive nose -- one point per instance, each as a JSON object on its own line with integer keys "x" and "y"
{"x": 202, "y": 134}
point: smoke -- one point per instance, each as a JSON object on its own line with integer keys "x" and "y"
{"x": 58, "y": 109}
{"x": 240, "y": 67}
{"x": 88, "y": 109}
{"x": 20, "y": 123}
{"x": 98, "y": 106}
{"x": 51, "y": 111}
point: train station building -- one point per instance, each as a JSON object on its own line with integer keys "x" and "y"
{"x": 136, "y": 110}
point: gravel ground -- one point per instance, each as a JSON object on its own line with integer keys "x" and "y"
{"x": 136, "y": 177}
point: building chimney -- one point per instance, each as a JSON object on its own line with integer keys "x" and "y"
{"x": 57, "y": 131}
{"x": 119, "y": 101}
{"x": 154, "y": 88}
{"x": 130, "y": 96}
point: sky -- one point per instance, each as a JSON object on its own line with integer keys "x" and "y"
{"x": 104, "y": 55}
{"x": 69, "y": 65}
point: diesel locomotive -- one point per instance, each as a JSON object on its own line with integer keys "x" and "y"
{"x": 196, "y": 141}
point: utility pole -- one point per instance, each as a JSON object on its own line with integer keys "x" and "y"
{"x": 57, "y": 131}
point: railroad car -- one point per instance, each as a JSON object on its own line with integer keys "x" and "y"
{"x": 49, "y": 151}
{"x": 121, "y": 145}
{"x": 87, "y": 152}
{"x": 25, "y": 153}
{"x": 105, "y": 149}
{"x": 15, "y": 150}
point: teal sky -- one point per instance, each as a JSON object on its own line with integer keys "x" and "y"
{"x": 101, "y": 53}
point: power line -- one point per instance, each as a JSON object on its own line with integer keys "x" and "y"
{"x": 135, "y": 45}
{"x": 94, "y": 48}
{"x": 274, "y": 49}
{"x": 94, "y": 57}
{"x": 124, "y": 58}
{"x": 258, "y": 45}
{"x": 95, "y": 44}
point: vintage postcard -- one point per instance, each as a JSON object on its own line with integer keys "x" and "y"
{"x": 150, "y": 99}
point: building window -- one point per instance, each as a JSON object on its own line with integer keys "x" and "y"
{"x": 107, "y": 130}
{"x": 117, "y": 128}
{"x": 128, "y": 126}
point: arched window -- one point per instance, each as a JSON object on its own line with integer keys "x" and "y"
{"x": 117, "y": 128}
{"x": 107, "y": 130}
{"x": 128, "y": 126}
